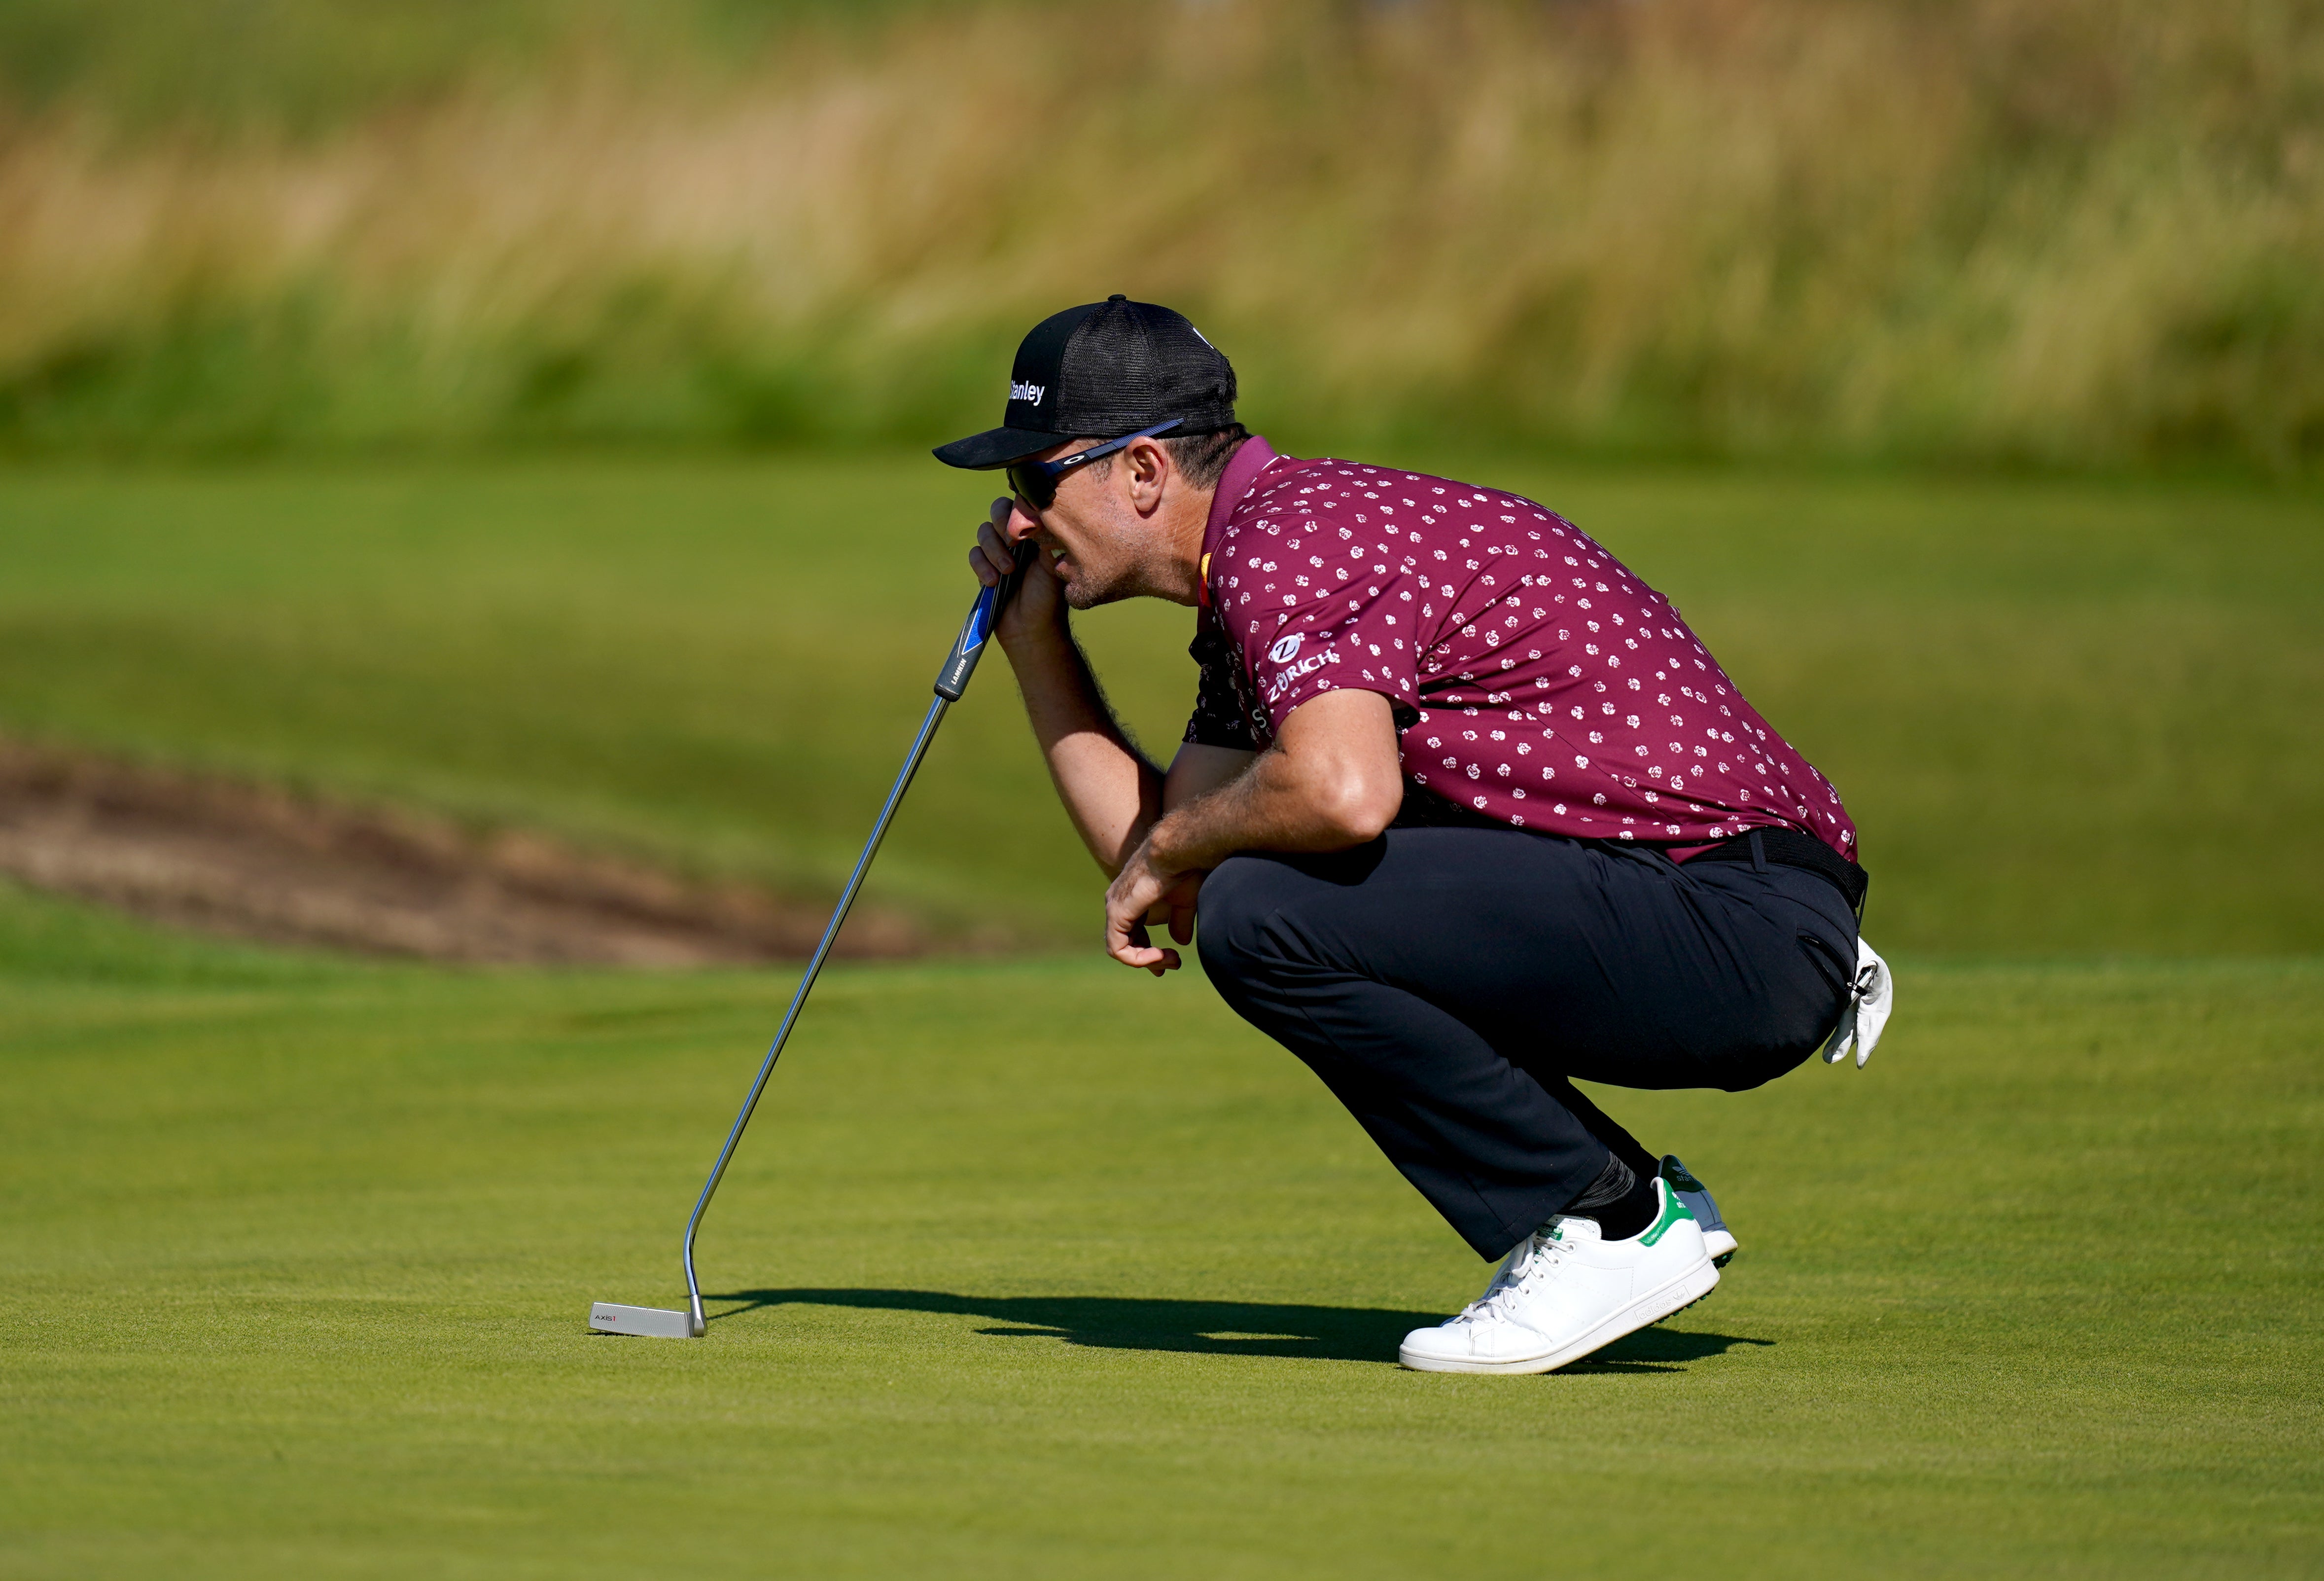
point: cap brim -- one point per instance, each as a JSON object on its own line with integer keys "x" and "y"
{"x": 996, "y": 448}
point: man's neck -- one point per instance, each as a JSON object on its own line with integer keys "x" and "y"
{"x": 1187, "y": 525}
{"x": 1189, "y": 517}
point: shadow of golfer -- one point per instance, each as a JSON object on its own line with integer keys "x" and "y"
{"x": 1661, "y": 1350}
{"x": 1220, "y": 1328}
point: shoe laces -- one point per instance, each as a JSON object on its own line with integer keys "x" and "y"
{"x": 1534, "y": 1258}
{"x": 1511, "y": 1269}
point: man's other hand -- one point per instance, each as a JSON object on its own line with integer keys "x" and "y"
{"x": 1140, "y": 895}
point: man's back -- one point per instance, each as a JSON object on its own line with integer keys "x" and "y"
{"x": 1537, "y": 680}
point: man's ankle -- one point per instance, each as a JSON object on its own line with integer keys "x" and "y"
{"x": 1623, "y": 1201}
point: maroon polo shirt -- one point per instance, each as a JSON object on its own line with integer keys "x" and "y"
{"x": 1535, "y": 680}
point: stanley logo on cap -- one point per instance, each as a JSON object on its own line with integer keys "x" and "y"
{"x": 1022, "y": 390}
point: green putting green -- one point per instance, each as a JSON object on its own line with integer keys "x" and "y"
{"x": 1038, "y": 1267}
{"x": 1047, "y": 1269}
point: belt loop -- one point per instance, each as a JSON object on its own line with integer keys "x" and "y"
{"x": 1758, "y": 853}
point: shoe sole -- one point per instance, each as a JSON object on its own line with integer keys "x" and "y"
{"x": 1665, "y": 1301}
{"x": 1720, "y": 1245}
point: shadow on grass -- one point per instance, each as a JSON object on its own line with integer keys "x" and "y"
{"x": 1223, "y": 1328}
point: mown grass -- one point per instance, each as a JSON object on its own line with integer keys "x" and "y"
{"x": 2073, "y": 232}
{"x": 1035, "y": 1267}
{"x": 1044, "y": 1269}
{"x": 2069, "y": 717}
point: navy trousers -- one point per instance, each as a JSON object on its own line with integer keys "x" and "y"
{"x": 1450, "y": 985}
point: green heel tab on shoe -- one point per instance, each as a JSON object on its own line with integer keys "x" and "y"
{"x": 1673, "y": 1210}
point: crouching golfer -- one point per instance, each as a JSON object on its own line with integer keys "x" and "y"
{"x": 1464, "y": 812}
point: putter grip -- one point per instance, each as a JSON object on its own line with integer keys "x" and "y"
{"x": 969, "y": 646}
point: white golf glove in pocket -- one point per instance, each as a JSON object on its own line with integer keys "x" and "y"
{"x": 1870, "y": 997}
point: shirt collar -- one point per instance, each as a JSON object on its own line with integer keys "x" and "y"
{"x": 1252, "y": 458}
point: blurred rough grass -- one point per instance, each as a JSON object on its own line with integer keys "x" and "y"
{"x": 2078, "y": 231}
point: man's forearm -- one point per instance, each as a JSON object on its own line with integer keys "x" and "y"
{"x": 1110, "y": 790}
{"x": 1264, "y": 809}
{"x": 1316, "y": 790}
{"x": 1331, "y": 781}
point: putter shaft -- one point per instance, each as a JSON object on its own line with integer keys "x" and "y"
{"x": 951, "y": 681}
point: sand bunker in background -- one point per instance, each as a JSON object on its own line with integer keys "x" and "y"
{"x": 265, "y": 865}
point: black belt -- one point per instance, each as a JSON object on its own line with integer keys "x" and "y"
{"x": 1793, "y": 848}
{"x": 1424, "y": 808}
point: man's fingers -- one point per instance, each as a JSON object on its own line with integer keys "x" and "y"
{"x": 1184, "y": 891}
{"x": 1126, "y": 939}
{"x": 991, "y": 559}
{"x": 1164, "y": 961}
{"x": 1156, "y": 961}
{"x": 1135, "y": 897}
{"x": 1128, "y": 944}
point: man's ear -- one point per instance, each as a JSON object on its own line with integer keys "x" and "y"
{"x": 1150, "y": 473}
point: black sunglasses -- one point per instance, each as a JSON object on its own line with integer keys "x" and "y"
{"x": 1035, "y": 482}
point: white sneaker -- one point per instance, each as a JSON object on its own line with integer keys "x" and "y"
{"x": 1565, "y": 1291}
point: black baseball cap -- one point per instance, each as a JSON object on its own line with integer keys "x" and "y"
{"x": 1100, "y": 370}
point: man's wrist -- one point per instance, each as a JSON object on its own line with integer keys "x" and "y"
{"x": 1174, "y": 846}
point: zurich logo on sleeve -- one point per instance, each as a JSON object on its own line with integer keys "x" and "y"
{"x": 1285, "y": 648}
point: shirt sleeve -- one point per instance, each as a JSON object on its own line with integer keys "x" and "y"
{"x": 1330, "y": 634}
{"x": 1222, "y": 715}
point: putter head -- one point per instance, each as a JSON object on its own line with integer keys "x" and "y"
{"x": 608, "y": 1318}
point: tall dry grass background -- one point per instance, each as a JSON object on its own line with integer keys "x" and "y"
{"x": 2080, "y": 231}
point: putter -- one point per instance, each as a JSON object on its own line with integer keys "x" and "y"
{"x": 951, "y": 681}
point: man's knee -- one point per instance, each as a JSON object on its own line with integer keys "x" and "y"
{"x": 1231, "y": 919}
